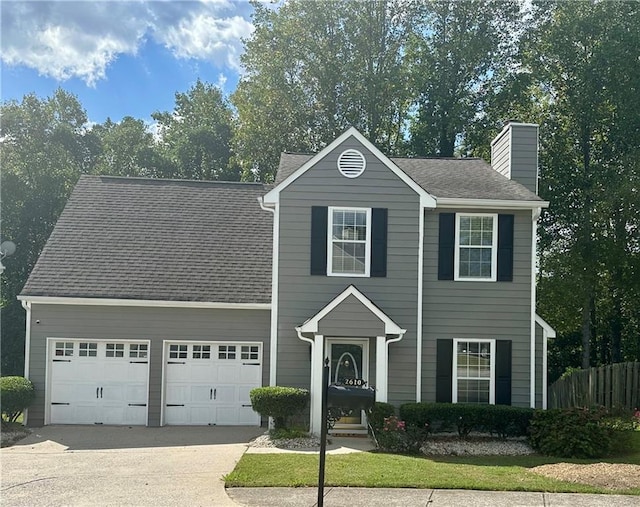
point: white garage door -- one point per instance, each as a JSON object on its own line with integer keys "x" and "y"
{"x": 209, "y": 383}
{"x": 98, "y": 382}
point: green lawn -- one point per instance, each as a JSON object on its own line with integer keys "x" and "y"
{"x": 378, "y": 470}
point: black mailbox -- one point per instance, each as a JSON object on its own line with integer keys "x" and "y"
{"x": 350, "y": 398}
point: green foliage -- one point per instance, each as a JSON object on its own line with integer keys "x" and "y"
{"x": 288, "y": 433}
{"x": 395, "y": 436}
{"x": 578, "y": 433}
{"x": 313, "y": 69}
{"x": 378, "y": 413}
{"x": 281, "y": 403}
{"x": 502, "y": 420}
{"x": 16, "y": 394}
{"x": 196, "y": 136}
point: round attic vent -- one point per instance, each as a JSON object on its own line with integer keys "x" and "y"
{"x": 351, "y": 163}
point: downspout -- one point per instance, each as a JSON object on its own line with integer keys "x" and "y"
{"x": 315, "y": 381}
{"x": 535, "y": 214}
{"x": 27, "y": 348}
{"x": 420, "y": 309}
{"x": 273, "y": 335}
{"x": 544, "y": 368}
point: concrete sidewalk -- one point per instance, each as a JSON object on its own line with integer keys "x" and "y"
{"x": 387, "y": 497}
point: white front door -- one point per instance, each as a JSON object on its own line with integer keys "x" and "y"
{"x": 349, "y": 364}
{"x": 208, "y": 383}
{"x": 98, "y": 382}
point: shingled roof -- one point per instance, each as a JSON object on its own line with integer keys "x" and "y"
{"x": 455, "y": 178}
{"x": 155, "y": 239}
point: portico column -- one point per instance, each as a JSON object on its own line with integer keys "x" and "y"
{"x": 381, "y": 369}
{"x": 317, "y": 363}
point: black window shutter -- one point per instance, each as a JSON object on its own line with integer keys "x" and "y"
{"x": 444, "y": 370}
{"x": 319, "y": 224}
{"x": 503, "y": 372}
{"x": 378, "y": 242}
{"x": 505, "y": 248}
{"x": 446, "y": 245}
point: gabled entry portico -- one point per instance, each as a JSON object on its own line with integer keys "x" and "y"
{"x": 349, "y": 318}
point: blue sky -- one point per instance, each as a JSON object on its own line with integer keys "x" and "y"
{"x": 121, "y": 58}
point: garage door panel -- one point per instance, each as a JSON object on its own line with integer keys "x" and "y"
{"x": 246, "y": 416}
{"x": 229, "y": 373}
{"x": 213, "y": 384}
{"x": 250, "y": 374}
{"x": 226, "y": 415}
{"x": 97, "y": 382}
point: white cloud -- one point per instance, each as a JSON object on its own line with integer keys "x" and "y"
{"x": 80, "y": 39}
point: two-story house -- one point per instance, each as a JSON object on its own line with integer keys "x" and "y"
{"x": 165, "y": 302}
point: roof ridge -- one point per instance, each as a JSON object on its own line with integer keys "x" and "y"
{"x": 172, "y": 180}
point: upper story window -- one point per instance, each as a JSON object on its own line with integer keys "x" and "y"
{"x": 349, "y": 241}
{"x": 476, "y": 252}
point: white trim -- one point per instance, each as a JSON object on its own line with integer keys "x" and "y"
{"x": 311, "y": 325}
{"x": 494, "y": 249}
{"x": 55, "y": 300}
{"x": 315, "y": 401}
{"x": 426, "y": 199}
{"x": 27, "y": 337}
{"x": 545, "y": 326}
{"x": 382, "y": 365}
{"x": 420, "y": 308}
{"x": 492, "y": 368}
{"x": 275, "y": 267}
{"x": 48, "y": 380}
{"x": 367, "y": 242}
{"x": 532, "y": 352}
{"x": 454, "y": 202}
{"x": 547, "y": 332}
{"x": 27, "y": 351}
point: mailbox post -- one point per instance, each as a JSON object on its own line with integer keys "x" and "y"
{"x": 338, "y": 396}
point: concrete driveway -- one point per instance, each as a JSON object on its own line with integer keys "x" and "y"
{"x": 112, "y": 465}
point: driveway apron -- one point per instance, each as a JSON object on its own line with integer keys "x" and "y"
{"x": 109, "y": 465}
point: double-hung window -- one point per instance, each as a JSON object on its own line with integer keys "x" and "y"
{"x": 474, "y": 371}
{"x": 349, "y": 245}
{"x": 476, "y": 248}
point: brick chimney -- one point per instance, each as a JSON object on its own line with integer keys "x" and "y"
{"x": 514, "y": 153}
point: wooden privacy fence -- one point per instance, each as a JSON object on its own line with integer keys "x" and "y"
{"x": 613, "y": 386}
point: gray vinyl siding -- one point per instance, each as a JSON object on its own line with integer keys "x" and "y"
{"x": 301, "y": 295}
{"x": 524, "y": 156}
{"x": 500, "y": 155}
{"x": 351, "y": 318}
{"x": 139, "y": 323}
{"x": 489, "y": 310}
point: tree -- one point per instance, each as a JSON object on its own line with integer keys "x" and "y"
{"x": 585, "y": 55}
{"x": 315, "y": 68}
{"x": 196, "y": 137}
{"x": 128, "y": 149}
{"x": 459, "y": 55}
{"x": 45, "y": 147}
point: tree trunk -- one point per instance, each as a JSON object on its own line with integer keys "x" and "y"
{"x": 586, "y": 330}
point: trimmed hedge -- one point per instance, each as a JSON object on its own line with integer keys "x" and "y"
{"x": 281, "y": 403}
{"x": 16, "y": 394}
{"x": 502, "y": 420}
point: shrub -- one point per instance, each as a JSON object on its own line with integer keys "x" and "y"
{"x": 572, "y": 433}
{"x": 378, "y": 413}
{"x": 281, "y": 403}
{"x": 501, "y": 420}
{"x": 16, "y": 394}
{"x": 395, "y": 436}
